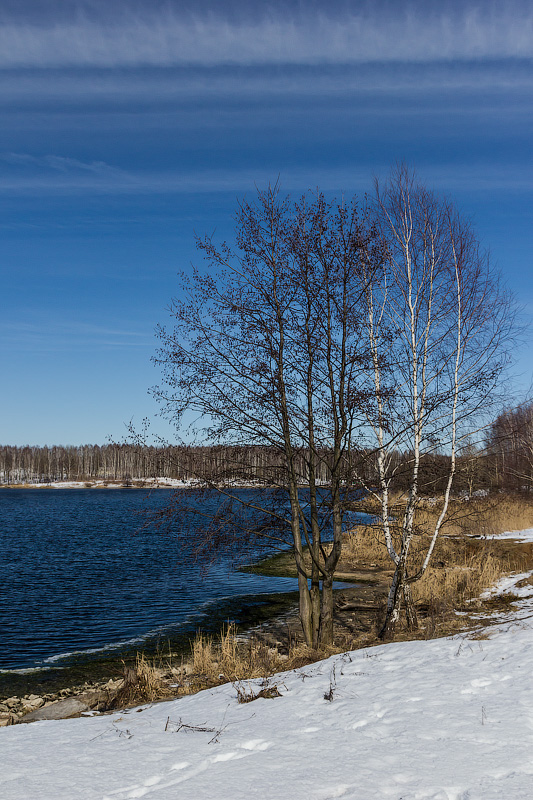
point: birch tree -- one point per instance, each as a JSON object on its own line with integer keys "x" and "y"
{"x": 438, "y": 323}
{"x": 510, "y": 442}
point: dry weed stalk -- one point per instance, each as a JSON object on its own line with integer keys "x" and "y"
{"x": 246, "y": 694}
{"x": 141, "y": 683}
{"x": 232, "y": 658}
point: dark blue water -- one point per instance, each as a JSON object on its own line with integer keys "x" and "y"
{"x": 78, "y": 576}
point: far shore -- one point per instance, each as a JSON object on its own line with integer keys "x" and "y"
{"x": 134, "y": 483}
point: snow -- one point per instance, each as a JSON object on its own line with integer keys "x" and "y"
{"x": 144, "y": 483}
{"x": 164, "y": 483}
{"x": 446, "y": 719}
{"x": 441, "y": 719}
{"x": 508, "y": 584}
{"x": 520, "y": 536}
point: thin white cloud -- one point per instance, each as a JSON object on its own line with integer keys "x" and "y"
{"x": 153, "y": 88}
{"x": 62, "y": 164}
{"x": 58, "y": 335}
{"x": 350, "y": 177}
{"x": 450, "y": 32}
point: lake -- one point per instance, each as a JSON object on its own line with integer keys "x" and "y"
{"x": 81, "y": 580}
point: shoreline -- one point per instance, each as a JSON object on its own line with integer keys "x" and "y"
{"x": 130, "y": 483}
{"x": 95, "y": 683}
{"x": 77, "y": 668}
{"x": 272, "y": 621}
{"x": 135, "y": 483}
{"x": 271, "y": 618}
{"x": 273, "y": 625}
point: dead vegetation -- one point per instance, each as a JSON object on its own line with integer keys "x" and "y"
{"x": 234, "y": 658}
{"x": 229, "y": 658}
{"x": 246, "y": 693}
{"x": 143, "y": 682}
{"x": 465, "y": 564}
{"x": 466, "y": 561}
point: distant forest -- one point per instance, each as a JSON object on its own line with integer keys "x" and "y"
{"x": 506, "y": 461}
{"x": 119, "y": 462}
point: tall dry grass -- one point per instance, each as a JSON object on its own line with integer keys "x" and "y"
{"x": 213, "y": 661}
{"x": 141, "y": 683}
{"x": 465, "y": 563}
{"x": 234, "y": 658}
{"x": 466, "y": 560}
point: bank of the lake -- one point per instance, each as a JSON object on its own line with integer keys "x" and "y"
{"x": 269, "y": 618}
{"x": 87, "y": 590}
{"x": 84, "y": 577}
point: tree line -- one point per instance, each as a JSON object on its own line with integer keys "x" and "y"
{"x": 120, "y": 462}
{"x": 504, "y": 461}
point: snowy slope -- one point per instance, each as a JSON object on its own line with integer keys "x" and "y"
{"x": 448, "y": 719}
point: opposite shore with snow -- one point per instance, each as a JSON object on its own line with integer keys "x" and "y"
{"x": 134, "y": 483}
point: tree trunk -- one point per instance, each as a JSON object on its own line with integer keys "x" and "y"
{"x": 306, "y": 610}
{"x": 326, "y": 612}
{"x": 400, "y": 590}
{"x": 393, "y": 607}
{"x": 410, "y": 608}
{"x": 315, "y": 604}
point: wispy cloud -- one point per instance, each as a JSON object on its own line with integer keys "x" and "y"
{"x": 62, "y": 336}
{"x": 152, "y": 88}
{"x": 60, "y": 164}
{"x": 349, "y": 176}
{"x": 27, "y": 172}
{"x": 380, "y": 32}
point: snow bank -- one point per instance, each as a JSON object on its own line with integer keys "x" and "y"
{"x": 447, "y": 719}
{"x": 520, "y": 536}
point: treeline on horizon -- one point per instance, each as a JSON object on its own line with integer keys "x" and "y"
{"x": 504, "y": 462}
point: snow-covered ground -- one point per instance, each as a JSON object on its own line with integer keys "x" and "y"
{"x": 447, "y": 719}
{"x": 521, "y": 536}
{"x": 145, "y": 483}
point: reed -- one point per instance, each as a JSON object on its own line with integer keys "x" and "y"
{"x": 467, "y": 560}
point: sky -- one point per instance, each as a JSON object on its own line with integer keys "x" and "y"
{"x": 128, "y": 128}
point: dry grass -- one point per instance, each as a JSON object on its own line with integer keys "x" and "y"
{"x": 246, "y": 694}
{"x": 365, "y": 544}
{"x": 229, "y": 658}
{"x": 142, "y": 683}
{"x": 451, "y": 584}
{"x": 464, "y": 564}
{"x": 465, "y": 561}
{"x": 232, "y": 658}
{"x": 486, "y": 516}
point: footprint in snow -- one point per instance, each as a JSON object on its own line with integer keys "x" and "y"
{"x": 152, "y": 781}
{"x": 257, "y": 744}
{"x": 477, "y": 683}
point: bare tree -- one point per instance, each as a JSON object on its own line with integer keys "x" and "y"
{"x": 268, "y": 351}
{"x": 510, "y": 443}
{"x": 438, "y": 324}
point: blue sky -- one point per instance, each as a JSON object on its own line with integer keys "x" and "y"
{"x": 125, "y": 131}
